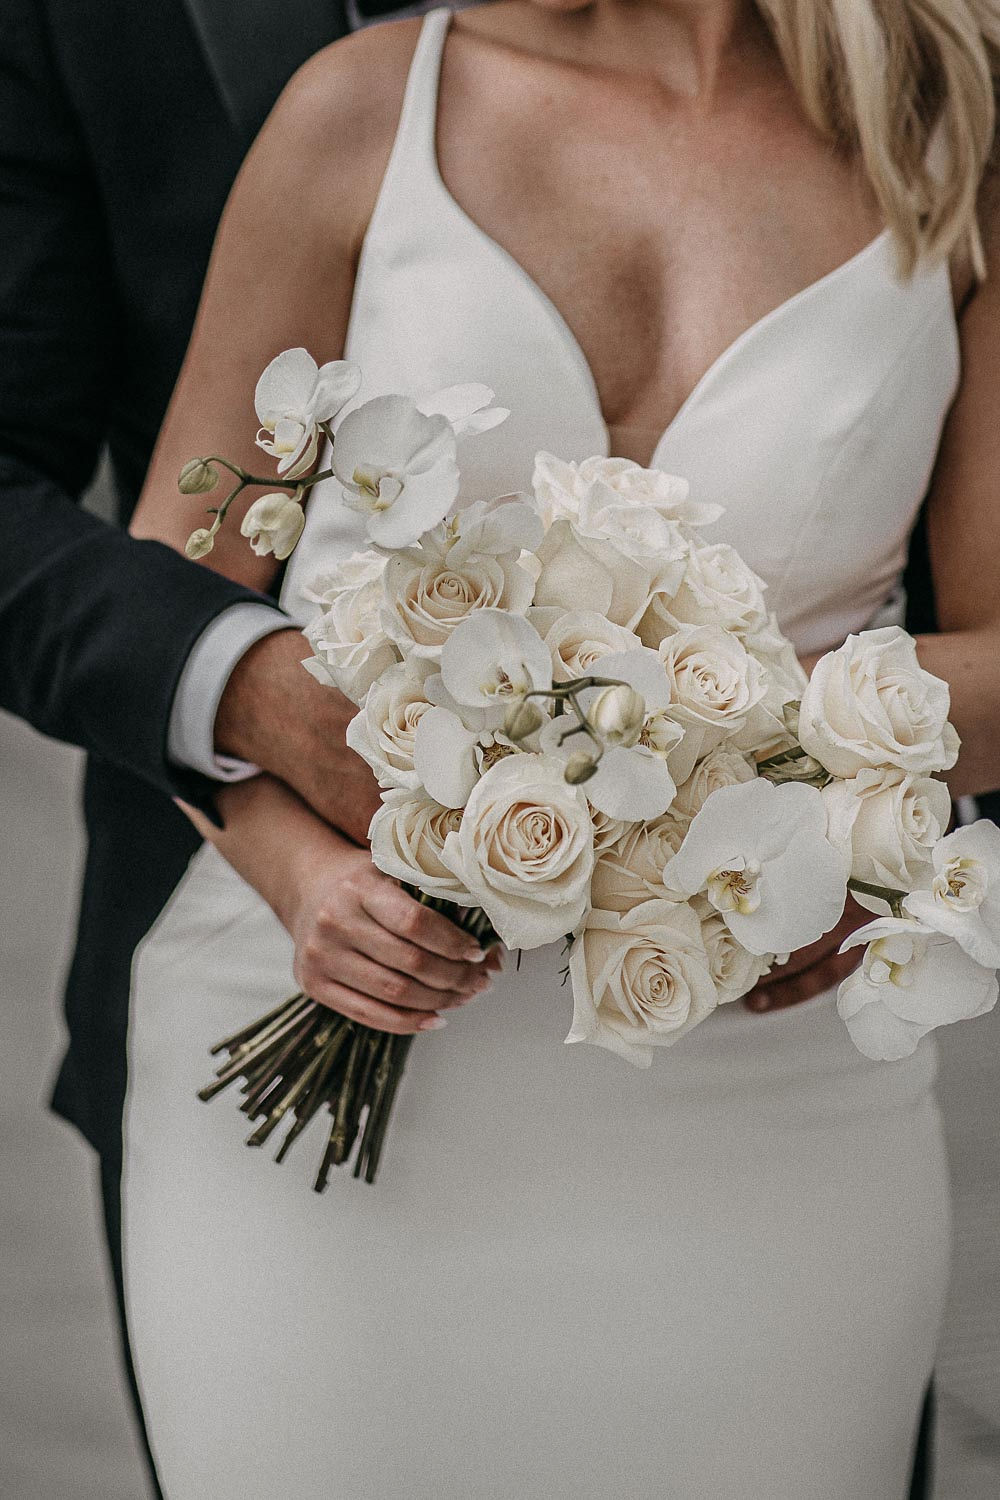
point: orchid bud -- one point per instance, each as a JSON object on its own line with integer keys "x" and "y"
{"x": 199, "y": 543}
{"x": 618, "y": 714}
{"x": 197, "y": 477}
{"x": 274, "y": 523}
{"x": 523, "y": 718}
{"x": 579, "y": 768}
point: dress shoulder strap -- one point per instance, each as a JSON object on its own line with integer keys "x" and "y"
{"x": 414, "y": 152}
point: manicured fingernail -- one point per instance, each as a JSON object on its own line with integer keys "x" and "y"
{"x": 434, "y": 1023}
{"x": 478, "y": 956}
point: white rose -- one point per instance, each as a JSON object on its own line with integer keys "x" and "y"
{"x": 889, "y": 822}
{"x": 785, "y": 681}
{"x": 734, "y": 968}
{"x": 910, "y": 981}
{"x": 630, "y": 869}
{"x": 717, "y": 588}
{"x": 383, "y": 733}
{"x": 606, "y": 829}
{"x": 580, "y": 638}
{"x": 721, "y": 767}
{"x": 640, "y": 980}
{"x": 426, "y": 599}
{"x": 560, "y": 487}
{"x": 714, "y": 686}
{"x": 871, "y": 704}
{"x": 351, "y": 648}
{"x": 525, "y": 850}
{"x": 610, "y": 566}
{"x": 407, "y": 836}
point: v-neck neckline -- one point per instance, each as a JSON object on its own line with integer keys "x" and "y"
{"x": 570, "y": 343}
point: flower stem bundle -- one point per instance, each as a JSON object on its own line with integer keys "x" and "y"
{"x": 302, "y": 1059}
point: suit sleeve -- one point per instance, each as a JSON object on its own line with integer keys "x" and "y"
{"x": 95, "y": 626}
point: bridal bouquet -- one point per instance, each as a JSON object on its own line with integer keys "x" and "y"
{"x": 588, "y": 728}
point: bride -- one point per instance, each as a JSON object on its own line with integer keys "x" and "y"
{"x": 724, "y": 239}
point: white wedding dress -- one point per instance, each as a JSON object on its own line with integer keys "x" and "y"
{"x": 717, "y": 1279}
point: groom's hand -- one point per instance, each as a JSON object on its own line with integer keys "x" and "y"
{"x": 811, "y": 970}
{"x": 274, "y": 714}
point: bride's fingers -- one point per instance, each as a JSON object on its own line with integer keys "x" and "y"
{"x": 432, "y": 970}
{"x": 390, "y": 906}
{"x": 401, "y": 990}
{"x": 371, "y": 1012}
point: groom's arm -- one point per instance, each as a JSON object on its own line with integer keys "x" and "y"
{"x": 95, "y": 627}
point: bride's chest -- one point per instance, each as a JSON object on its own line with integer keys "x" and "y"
{"x": 658, "y": 241}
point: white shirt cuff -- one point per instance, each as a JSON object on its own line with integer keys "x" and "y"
{"x": 210, "y": 663}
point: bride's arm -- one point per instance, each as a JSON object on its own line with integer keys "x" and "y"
{"x": 964, "y": 536}
{"x": 281, "y": 275}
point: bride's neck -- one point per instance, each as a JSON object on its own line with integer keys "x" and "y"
{"x": 686, "y": 43}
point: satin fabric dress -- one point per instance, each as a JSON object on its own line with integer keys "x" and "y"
{"x": 719, "y": 1277}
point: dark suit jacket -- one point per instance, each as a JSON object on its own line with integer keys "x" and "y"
{"x": 122, "y": 126}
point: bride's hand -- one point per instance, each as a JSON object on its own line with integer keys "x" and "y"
{"x": 362, "y": 945}
{"x": 367, "y": 949}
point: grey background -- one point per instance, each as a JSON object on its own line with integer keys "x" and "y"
{"x": 64, "y": 1428}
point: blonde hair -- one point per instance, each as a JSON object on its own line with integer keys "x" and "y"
{"x": 878, "y": 77}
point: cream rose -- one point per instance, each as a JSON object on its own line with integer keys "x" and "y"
{"x": 383, "y": 733}
{"x": 426, "y": 598}
{"x": 630, "y": 870}
{"x": 733, "y": 968}
{"x": 407, "y": 836}
{"x": 579, "y": 638}
{"x": 871, "y": 704}
{"x": 721, "y": 767}
{"x": 525, "y": 850}
{"x": 717, "y": 589}
{"x": 641, "y": 980}
{"x": 714, "y": 686}
{"x": 352, "y": 649}
{"x": 889, "y": 823}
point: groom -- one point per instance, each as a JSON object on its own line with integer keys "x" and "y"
{"x": 121, "y": 129}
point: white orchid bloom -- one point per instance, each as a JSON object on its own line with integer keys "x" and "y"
{"x": 632, "y": 780}
{"x": 493, "y": 658}
{"x": 762, "y": 856}
{"x": 397, "y": 466}
{"x": 274, "y": 524}
{"x": 293, "y": 396}
{"x": 910, "y": 981}
{"x": 502, "y": 528}
{"x": 456, "y": 744}
{"x": 449, "y": 757}
{"x": 466, "y": 407}
{"x": 963, "y": 902}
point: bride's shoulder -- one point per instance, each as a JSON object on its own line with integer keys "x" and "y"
{"x": 325, "y": 145}
{"x": 350, "y": 93}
